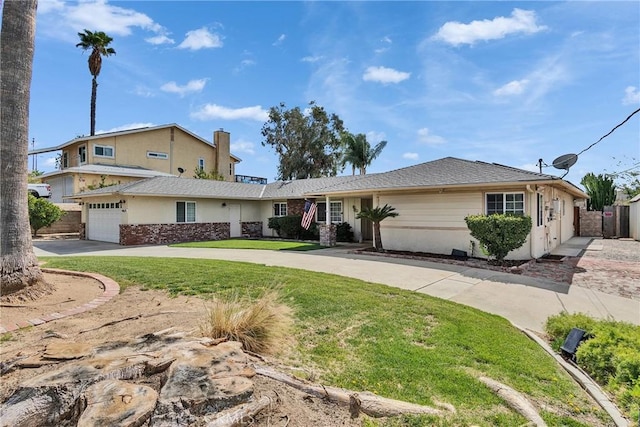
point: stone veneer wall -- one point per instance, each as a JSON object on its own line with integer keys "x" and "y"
{"x": 590, "y": 223}
{"x": 82, "y": 231}
{"x": 328, "y": 234}
{"x": 295, "y": 207}
{"x": 162, "y": 234}
{"x": 252, "y": 229}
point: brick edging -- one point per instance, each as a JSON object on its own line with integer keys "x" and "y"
{"x": 111, "y": 289}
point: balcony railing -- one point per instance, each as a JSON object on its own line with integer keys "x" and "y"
{"x": 250, "y": 179}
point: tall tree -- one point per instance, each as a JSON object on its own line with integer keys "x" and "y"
{"x": 601, "y": 190}
{"x": 18, "y": 264}
{"x": 376, "y": 216}
{"x": 98, "y": 42}
{"x": 359, "y": 153}
{"x": 307, "y": 142}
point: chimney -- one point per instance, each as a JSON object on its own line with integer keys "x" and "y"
{"x": 222, "y": 141}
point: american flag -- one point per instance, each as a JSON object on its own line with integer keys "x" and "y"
{"x": 309, "y": 213}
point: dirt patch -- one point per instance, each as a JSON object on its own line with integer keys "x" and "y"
{"x": 133, "y": 313}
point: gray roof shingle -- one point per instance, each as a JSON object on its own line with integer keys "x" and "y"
{"x": 448, "y": 171}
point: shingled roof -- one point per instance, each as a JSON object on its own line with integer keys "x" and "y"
{"x": 446, "y": 172}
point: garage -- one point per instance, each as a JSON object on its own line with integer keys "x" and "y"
{"x": 103, "y": 221}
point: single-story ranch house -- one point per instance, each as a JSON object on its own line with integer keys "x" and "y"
{"x": 432, "y": 200}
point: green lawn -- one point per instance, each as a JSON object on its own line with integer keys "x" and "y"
{"x": 365, "y": 336}
{"x": 272, "y": 245}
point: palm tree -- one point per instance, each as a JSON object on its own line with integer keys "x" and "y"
{"x": 18, "y": 263}
{"x": 358, "y": 152}
{"x": 98, "y": 42}
{"x": 377, "y": 215}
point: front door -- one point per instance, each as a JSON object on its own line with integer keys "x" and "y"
{"x": 235, "y": 230}
{"x": 366, "y": 226}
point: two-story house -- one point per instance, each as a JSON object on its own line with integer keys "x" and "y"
{"x": 90, "y": 162}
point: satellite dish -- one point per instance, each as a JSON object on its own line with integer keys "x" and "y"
{"x": 181, "y": 170}
{"x": 565, "y": 161}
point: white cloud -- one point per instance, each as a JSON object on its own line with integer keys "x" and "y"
{"x": 387, "y": 41}
{"x": 515, "y": 87}
{"x": 213, "y": 111}
{"x": 280, "y": 40}
{"x": 384, "y": 75}
{"x": 521, "y": 21}
{"x": 242, "y": 146}
{"x": 46, "y": 6}
{"x": 631, "y": 96}
{"x": 58, "y": 17}
{"x": 375, "y": 137}
{"x": 201, "y": 38}
{"x": 128, "y": 126}
{"x": 244, "y": 64}
{"x": 426, "y": 137}
{"x": 311, "y": 58}
{"x": 192, "y": 86}
{"x": 160, "y": 39}
{"x": 143, "y": 91}
{"x": 410, "y": 156}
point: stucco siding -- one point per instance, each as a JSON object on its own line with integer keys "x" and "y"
{"x": 429, "y": 222}
{"x": 634, "y": 220}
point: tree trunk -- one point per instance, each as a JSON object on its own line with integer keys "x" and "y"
{"x": 94, "y": 92}
{"x": 18, "y": 264}
{"x": 377, "y": 237}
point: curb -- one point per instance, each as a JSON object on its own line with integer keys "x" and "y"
{"x": 111, "y": 289}
{"x": 584, "y": 380}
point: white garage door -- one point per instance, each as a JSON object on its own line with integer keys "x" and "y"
{"x": 103, "y": 222}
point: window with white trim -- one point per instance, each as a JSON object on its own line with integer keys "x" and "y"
{"x": 540, "y": 216}
{"x": 501, "y": 203}
{"x": 201, "y": 163}
{"x": 103, "y": 151}
{"x": 185, "y": 211}
{"x": 335, "y": 212}
{"x": 157, "y": 155}
{"x": 82, "y": 154}
{"x": 280, "y": 209}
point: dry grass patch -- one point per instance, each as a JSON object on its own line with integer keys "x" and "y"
{"x": 262, "y": 325}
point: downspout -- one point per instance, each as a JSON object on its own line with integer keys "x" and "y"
{"x": 531, "y": 239}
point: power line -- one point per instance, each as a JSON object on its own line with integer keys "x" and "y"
{"x": 541, "y": 163}
{"x": 611, "y": 131}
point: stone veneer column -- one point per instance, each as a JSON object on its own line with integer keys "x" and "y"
{"x": 328, "y": 234}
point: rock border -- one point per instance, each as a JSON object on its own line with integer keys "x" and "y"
{"x": 111, "y": 289}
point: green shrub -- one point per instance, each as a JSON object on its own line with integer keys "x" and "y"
{"x": 288, "y": 227}
{"x": 344, "y": 232}
{"x": 499, "y": 234}
{"x": 42, "y": 213}
{"x": 558, "y": 326}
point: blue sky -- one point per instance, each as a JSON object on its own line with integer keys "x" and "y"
{"x": 504, "y": 82}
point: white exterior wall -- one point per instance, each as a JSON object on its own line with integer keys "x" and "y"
{"x": 435, "y": 223}
{"x": 634, "y": 219}
{"x": 156, "y": 210}
{"x": 429, "y": 222}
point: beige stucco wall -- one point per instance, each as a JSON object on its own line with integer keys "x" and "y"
{"x": 156, "y": 210}
{"x": 434, "y": 222}
{"x": 634, "y": 220}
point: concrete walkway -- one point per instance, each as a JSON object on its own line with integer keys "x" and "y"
{"x": 525, "y": 301}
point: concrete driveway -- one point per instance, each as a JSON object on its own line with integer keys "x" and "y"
{"x": 525, "y": 301}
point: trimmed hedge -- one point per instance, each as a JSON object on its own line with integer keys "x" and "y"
{"x": 499, "y": 234}
{"x": 288, "y": 227}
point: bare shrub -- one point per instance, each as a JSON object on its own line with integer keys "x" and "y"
{"x": 262, "y": 325}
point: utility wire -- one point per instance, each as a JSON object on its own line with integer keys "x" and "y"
{"x": 601, "y": 138}
{"x": 611, "y": 131}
